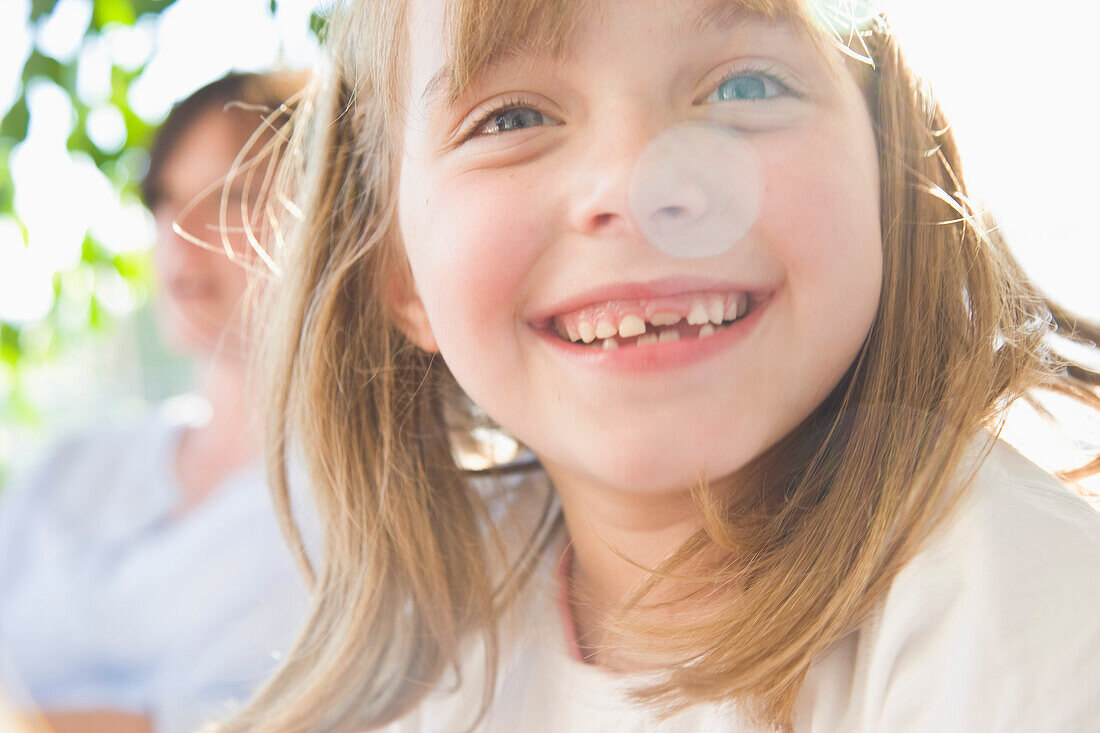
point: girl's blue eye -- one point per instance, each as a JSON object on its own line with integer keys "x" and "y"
{"x": 516, "y": 118}
{"x": 747, "y": 86}
{"x": 742, "y": 87}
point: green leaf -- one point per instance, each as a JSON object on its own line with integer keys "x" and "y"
{"x": 318, "y": 23}
{"x": 134, "y": 267}
{"x": 41, "y": 7}
{"x": 78, "y": 140}
{"x": 7, "y": 186}
{"x": 97, "y": 315}
{"x": 92, "y": 252}
{"x": 113, "y": 11}
{"x": 9, "y": 344}
{"x": 138, "y": 131}
{"x": 40, "y": 65}
{"x": 141, "y": 7}
{"x": 14, "y": 125}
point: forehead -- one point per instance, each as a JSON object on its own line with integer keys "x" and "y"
{"x": 203, "y": 154}
{"x": 454, "y": 42}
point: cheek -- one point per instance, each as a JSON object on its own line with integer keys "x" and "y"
{"x": 470, "y": 244}
{"x": 822, "y": 222}
{"x": 822, "y": 213}
{"x": 232, "y": 274}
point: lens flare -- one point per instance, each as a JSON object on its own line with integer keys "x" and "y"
{"x": 696, "y": 190}
{"x": 848, "y": 21}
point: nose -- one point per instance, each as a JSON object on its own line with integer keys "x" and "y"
{"x": 661, "y": 203}
{"x": 626, "y": 192}
{"x": 600, "y": 204}
{"x": 691, "y": 190}
{"x": 182, "y": 228}
{"x": 188, "y": 238}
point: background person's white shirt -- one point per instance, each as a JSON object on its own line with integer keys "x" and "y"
{"x": 108, "y": 600}
{"x": 994, "y": 627}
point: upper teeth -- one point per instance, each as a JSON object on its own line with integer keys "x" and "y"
{"x": 664, "y": 319}
{"x": 716, "y": 311}
{"x": 587, "y": 331}
{"x": 706, "y": 311}
{"x": 631, "y": 326}
{"x": 699, "y": 314}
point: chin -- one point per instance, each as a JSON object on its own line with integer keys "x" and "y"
{"x": 659, "y": 467}
{"x": 190, "y": 342}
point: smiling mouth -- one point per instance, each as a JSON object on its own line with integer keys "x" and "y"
{"x": 645, "y": 322}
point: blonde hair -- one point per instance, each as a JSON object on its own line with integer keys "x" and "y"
{"x": 822, "y": 521}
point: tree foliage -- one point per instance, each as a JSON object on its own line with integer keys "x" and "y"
{"x": 78, "y": 312}
{"x": 26, "y": 345}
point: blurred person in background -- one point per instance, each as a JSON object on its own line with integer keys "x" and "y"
{"x": 144, "y": 581}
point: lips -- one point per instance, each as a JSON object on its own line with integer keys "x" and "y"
{"x": 183, "y": 288}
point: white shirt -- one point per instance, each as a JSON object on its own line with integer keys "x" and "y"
{"x": 107, "y": 600}
{"x": 995, "y": 626}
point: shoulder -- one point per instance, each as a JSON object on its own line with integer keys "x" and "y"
{"x": 104, "y": 458}
{"x": 95, "y": 487}
{"x": 994, "y": 625}
{"x": 1018, "y": 539}
{"x": 1020, "y": 555}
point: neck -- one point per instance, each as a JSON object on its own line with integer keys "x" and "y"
{"x": 617, "y": 536}
{"x": 211, "y": 452}
{"x": 225, "y": 386}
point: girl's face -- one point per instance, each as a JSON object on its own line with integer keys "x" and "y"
{"x": 678, "y": 163}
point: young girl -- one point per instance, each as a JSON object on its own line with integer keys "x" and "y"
{"x": 715, "y": 266}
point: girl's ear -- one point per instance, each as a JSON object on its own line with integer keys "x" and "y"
{"x": 408, "y": 310}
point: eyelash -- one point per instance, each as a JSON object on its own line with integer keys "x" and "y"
{"x": 509, "y": 104}
{"x": 471, "y": 131}
{"x": 785, "y": 82}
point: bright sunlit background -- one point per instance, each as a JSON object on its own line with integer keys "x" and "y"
{"x": 58, "y": 196}
{"x": 79, "y": 341}
{"x": 1018, "y": 81}
{"x": 1016, "y": 78}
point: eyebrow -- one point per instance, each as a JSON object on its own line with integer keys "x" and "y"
{"x": 435, "y": 86}
{"x": 722, "y": 15}
{"x": 441, "y": 85}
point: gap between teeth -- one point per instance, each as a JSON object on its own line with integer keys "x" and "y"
{"x": 712, "y": 315}
{"x": 631, "y": 326}
{"x": 659, "y": 336}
